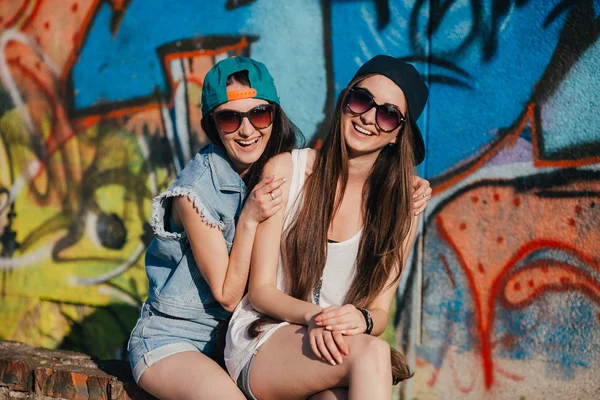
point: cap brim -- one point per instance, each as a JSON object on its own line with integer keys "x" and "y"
{"x": 418, "y": 143}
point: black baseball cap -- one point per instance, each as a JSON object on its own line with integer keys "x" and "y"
{"x": 410, "y": 81}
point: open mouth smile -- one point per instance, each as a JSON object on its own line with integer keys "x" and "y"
{"x": 248, "y": 144}
{"x": 362, "y": 130}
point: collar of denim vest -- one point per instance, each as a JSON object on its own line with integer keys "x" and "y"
{"x": 223, "y": 172}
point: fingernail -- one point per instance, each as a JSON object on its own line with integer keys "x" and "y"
{"x": 417, "y": 213}
{"x": 414, "y": 196}
{"x": 332, "y": 362}
{"x": 285, "y": 180}
{"x": 340, "y": 361}
{"x": 343, "y": 332}
{"x": 328, "y": 327}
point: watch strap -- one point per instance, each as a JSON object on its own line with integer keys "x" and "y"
{"x": 368, "y": 320}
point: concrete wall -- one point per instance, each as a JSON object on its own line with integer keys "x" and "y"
{"x": 98, "y": 112}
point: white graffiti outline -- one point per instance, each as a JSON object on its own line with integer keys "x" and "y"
{"x": 26, "y": 261}
{"x": 364, "y": 48}
{"x": 371, "y": 24}
{"x": 123, "y": 296}
{"x": 77, "y": 281}
{"x": 8, "y": 36}
{"x": 145, "y": 150}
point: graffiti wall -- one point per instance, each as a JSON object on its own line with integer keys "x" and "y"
{"x": 505, "y": 302}
{"x": 99, "y": 111}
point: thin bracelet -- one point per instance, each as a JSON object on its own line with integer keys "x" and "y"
{"x": 368, "y": 320}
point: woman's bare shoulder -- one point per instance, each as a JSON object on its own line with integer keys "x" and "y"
{"x": 310, "y": 161}
{"x": 279, "y": 165}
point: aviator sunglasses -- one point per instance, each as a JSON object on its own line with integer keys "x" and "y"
{"x": 387, "y": 116}
{"x": 229, "y": 121}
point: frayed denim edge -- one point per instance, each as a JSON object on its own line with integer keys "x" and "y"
{"x": 158, "y": 212}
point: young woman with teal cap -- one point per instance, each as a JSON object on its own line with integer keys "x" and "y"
{"x": 329, "y": 263}
{"x": 196, "y": 274}
{"x": 205, "y": 225}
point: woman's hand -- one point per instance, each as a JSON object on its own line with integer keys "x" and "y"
{"x": 346, "y": 319}
{"x": 327, "y": 345}
{"x": 264, "y": 201}
{"x": 421, "y": 194}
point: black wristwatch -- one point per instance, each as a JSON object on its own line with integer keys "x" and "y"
{"x": 368, "y": 320}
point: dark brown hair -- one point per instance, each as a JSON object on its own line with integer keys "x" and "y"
{"x": 386, "y": 208}
{"x": 285, "y": 136}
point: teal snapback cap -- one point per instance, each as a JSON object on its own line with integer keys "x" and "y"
{"x": 214, "y": 88}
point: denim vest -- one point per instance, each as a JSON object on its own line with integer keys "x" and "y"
{"x": 176, "y": 286}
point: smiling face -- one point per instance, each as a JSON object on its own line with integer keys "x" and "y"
{"x": 245, "y": 145}
{"x": 361, "y": 132}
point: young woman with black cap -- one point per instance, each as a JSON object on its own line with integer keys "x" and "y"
{"x": 329, "y": 264}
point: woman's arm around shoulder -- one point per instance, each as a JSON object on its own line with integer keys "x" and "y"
{"x": 227, "y": 273}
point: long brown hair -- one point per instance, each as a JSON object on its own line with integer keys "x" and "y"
{"x": 386, "y": 208}
{"x": 387, "y": 215}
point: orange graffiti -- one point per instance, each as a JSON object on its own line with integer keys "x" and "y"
{"x": 512, "y": 226}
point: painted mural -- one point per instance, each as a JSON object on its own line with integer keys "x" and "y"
{"x": 99, "y": 111}
{"x": 510, "y": 297}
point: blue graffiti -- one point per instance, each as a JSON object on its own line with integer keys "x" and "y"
{"x": 570, "y": 118}
{"x": 491, "y": 88}
{"x": 125, "y": 67}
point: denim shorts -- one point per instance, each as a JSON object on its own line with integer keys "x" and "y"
{"x": 157, "y": 335}
{"x": 243, "y": 380}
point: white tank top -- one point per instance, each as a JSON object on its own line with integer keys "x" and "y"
{"x": 337, "y": 276}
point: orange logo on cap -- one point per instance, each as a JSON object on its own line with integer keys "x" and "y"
{"x": 241, "y": 94}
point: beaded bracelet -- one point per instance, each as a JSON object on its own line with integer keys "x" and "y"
{"x": 368, "y": 320}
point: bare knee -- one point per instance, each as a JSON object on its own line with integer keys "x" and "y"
{"x": 188, "y": 375}
{"x": 372, "y": 351}
{"x": 379, "y": 351}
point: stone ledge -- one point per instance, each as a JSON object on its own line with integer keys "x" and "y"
{"x": 36, "y": 373}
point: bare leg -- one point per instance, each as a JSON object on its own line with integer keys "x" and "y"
{"x": 285, "y": 367}
{"x": 189, "y": 376}
{"x": 332, "y": 394}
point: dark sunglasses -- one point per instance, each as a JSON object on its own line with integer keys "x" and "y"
{"x": 229, "y": 121}
{"x": 387, "y": 116}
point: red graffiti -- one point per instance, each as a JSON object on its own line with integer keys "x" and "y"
{"x": 510, "y": 236}
{"x": 11, "y": 20}
{"x": 543, "y": 276}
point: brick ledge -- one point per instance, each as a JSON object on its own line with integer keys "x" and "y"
{"x": 36, "y": 373}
